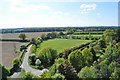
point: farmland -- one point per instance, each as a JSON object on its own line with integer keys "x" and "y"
{"x": 9, "y": 52}
{"x": 9, "y": 48}
{"x": 15, "y": 35}
{"x": 61, "y": 44}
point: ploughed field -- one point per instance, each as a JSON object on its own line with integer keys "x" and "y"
{"x": 15, "y": 35}
{"x": 10, "y": 50}
{"x": 62, "y": 44}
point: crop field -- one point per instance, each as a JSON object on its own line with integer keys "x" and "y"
{"x": 61, "y": 44}
{"x": 9, "y": 51}
{"x": 15, "y": 35}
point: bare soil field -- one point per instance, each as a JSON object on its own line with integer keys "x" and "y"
{"x": 9, "y": 52}
{"x": 15, "y": 35}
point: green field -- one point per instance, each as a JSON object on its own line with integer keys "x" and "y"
{"x": 61, "y": 44}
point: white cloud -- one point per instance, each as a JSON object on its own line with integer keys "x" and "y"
{"x": 86, "y": 8}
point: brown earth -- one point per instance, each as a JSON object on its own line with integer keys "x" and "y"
{"x": 15, "y": 35}
{"x": 9, "y": 52}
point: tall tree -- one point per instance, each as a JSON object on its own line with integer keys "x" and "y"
{"x": 88, "y": 56}
{"x": 22, "y": 36}
{"x": 88, "y": 72}
{"x": 76, "y": 59}
{"x": 67, "y": 70}
{"x": 47, "y": 55}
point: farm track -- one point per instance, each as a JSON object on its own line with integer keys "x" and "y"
{"x": 27, "y": 67}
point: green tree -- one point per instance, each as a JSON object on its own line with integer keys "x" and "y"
{"x": 5, "y": 72}
{"x": 34, "y": 41}
{"x": 47, "y": 55}
{"x": 16, "y": 60}
{"x": 102, "y": 43}
{"x": 94, "y": 53}
{"x": 29, "y": 76}
{"x": 32, "y": 58}
{"x": 22, "y": 36}
{"x": 88, "y": 72}
{"x": 54, "y": 34}
{"x": 111, "y": 67}
{"x": 53, "y": 69}
{"x": 49, "y": 35}
{"x": 61, "y": 33}
{"x": 59, "y": 60}
{"x": 88, "y": 56}
{"x": 70, "y": 32}
{"x": 43, "y": 36}
{"x": 76, "y": 59}
{"x": 58, "y": 76}
{"x": 23, "y": 47}
{"x": 16, "y": 64}
{"x": 110, "y": 34}
{"x": 67, "y": 70}
{"x": 103, "y": 69}
{"x": 116, "y": 74}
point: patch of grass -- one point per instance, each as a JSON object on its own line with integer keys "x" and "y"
{"x": 62, "y": 44}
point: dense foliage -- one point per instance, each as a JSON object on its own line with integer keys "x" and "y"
{"x": 97, "y": 59}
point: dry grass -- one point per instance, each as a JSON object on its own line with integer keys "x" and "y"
{"x": 15, "y": 35}
{"x": 9, "y": 52}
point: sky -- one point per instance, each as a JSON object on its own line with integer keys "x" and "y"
{"x": 37, "y": 13}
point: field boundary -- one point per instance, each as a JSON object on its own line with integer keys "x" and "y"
{"x": 15, "y": 40}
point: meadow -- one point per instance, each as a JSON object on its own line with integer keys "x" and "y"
{"x": 62, "y": 44}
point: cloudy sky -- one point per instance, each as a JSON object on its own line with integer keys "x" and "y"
{"x": 35, "y": 13}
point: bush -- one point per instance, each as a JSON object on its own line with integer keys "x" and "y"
{"x": 58, "y": 76}
{"x": 29, "y": 76}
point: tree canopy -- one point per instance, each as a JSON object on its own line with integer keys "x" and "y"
{"x": 22, "y": 36}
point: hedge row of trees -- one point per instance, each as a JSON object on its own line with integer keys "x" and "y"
{"x": 89, "y": 37}
{"x": 86, "y": 32}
